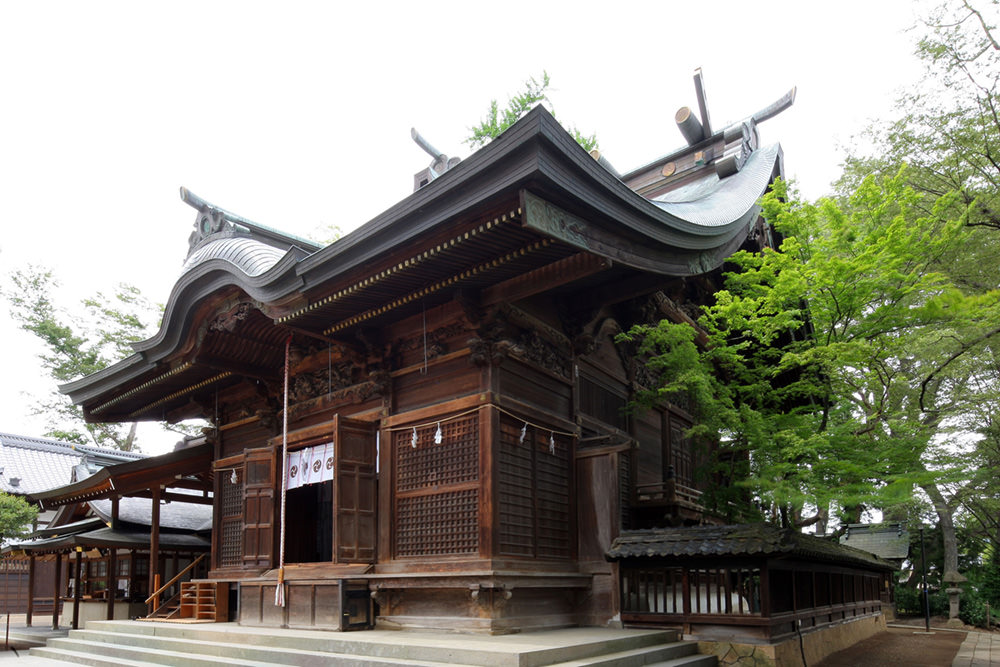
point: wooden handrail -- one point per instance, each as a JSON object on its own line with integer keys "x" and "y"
{"x": 174, "y": 580}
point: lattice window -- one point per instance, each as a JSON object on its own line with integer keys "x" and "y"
{"x": 534, "y": 492}
{"x": 437, "y": 490}
{"x": 439, "y": 524}
{"x": 454, "y": 461}
{"x": 231, "y": 523}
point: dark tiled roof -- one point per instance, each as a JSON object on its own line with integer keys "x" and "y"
{"x": 173, "y": 516}
{"x": 39, "y": 464}
{"x": 737, "y": 540}
{"x": 885, "y": 540}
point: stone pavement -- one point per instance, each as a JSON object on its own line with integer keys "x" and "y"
{"x": 980, "y": 649}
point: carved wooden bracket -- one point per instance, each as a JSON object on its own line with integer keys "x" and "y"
{"x": 387, "y": 599}
{"x": 490, "y": 597}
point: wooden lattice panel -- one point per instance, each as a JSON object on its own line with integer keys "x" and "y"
{"x": 438, "y": 524}
{"x": 437, "y": 490}
{"x": 534, "y": 492}
{"x": 552, "y": 494}
{"x": 454, "y": 461}
{"x": 231, "y": 542}
{"x": 517, "y": 481}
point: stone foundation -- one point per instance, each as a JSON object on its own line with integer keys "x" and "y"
{"x": 816, "y": 644}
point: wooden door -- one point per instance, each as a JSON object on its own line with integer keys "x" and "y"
{"x": 259, "y": 508}
{"x": 354, "y": 517}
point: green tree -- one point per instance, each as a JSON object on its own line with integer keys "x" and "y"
{"x": 16, "y": 516}
{"x": 78, "y": 346}
{"x": 839, "y": 363}
{"x": 948, "y": 133}
{"x": 497, "y": 120}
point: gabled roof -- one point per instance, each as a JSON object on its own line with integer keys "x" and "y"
{"x": 761, "y": 540}
{"x": 885, "y": 540}
{"x": 531, "y": 200}
{"x": 30, "y": 465}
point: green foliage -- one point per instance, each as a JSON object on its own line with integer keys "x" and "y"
{"x": 836, "y": 362}
{"x": 498, "y": 120}
{"x": 909, "y": 601}
{"x": 16, "y": 516}
{"x": 78, "y": 346}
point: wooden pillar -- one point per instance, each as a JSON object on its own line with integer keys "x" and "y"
{"x": 154, "y": 546}
{"x": 114, "y": 512}
{"x": 77, "y": 588}
{"x": 31, "y": 590}
{"x": 112, "y": 590}
{"x": 56, "y": 592}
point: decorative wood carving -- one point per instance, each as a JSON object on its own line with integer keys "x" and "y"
{"x": 228, "y": 319}
{"x": 490, "y": 597}
{"x": 323, "y": 381}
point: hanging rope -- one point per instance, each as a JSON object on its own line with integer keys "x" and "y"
{"x": 279, "y": 589}
{"x": 524, "y": 429}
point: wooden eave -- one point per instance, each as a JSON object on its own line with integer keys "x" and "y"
{"x": 514, "y": 207}
{"x": 179, "y": 469}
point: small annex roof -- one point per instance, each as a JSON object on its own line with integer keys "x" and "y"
{"x": 761, "y": 540}
{"x": 175, "y": 515}
{"x": 888, "y": 540}
{"x": 107, "y": 537}
{"x": 181, "y": 469}
{"x": 30, "y": 465}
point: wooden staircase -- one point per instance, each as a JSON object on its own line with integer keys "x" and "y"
{"x": 204, "y": 601}
{"x": 200, "y": 601}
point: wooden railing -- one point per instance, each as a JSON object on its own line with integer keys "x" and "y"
{"x": 667, "y": 492}
{"x": 735, "y": 596}
{"x": 155, "y": 597}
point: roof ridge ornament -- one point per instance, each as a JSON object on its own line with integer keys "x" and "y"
{"x": 211, "y": 220}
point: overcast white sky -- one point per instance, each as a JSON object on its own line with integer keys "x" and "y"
{"x": 298, "y": 115}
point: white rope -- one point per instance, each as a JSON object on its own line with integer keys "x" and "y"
{"x": 438, "y": 422}
{"x": 279, "y": 589}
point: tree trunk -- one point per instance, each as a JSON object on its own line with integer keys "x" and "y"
{"x": 945, "y": 516}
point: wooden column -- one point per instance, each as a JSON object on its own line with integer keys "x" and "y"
{"x": 77, "y": 588}
{"x": 154, "y": 546}
{"x": 56, "y": 592}
{"x": 114, "y": 512}
{"x": 112, "y": 583}
{"x": 31, "y": 590}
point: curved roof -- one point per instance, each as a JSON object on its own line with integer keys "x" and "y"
{"x": 530, "y": 199}
{"x": 248, "y": 256}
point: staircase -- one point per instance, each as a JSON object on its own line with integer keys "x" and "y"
{"x": 199, "y": 601}
{"x": 133, "y": 643}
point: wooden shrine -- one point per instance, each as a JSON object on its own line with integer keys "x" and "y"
{"x": 444, "y": 383}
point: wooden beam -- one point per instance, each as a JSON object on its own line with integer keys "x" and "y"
{"x": 31, "y": 590}
{"x": 550, "y": 276}
{"x": 56, "y": 591}
{"x": 112, "y": 583}
{"x": 154, "y": 545}
{"x": 77, "y": 586}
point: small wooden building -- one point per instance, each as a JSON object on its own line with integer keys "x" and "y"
{"x": 432, "y": 409}
{"x": 29, "y": 465}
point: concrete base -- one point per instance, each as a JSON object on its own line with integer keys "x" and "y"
{"x": 816, "y": 645}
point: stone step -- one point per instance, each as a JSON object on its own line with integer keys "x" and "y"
{"x": 197, "y": 653}
{"x": 201, "y": 645}
{"x": 676, "y": 654}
